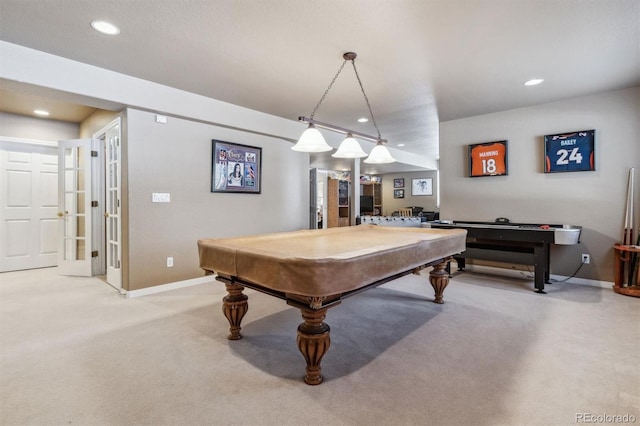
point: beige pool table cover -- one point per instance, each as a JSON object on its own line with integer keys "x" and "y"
{"x": 328, "y": 261}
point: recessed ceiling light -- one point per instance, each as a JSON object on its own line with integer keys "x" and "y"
{"x": 105, "y": 27}
{"x": 534, "y": 82}
{"x": 363, "y": 120}
{"x": 41, "y": 112}
{"x": 400, "y": 144}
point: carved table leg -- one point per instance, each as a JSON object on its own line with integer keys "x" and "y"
{"x": 439, "y": 279}
{"x": 234, "y": 306}
{"x": 313, "y": 341}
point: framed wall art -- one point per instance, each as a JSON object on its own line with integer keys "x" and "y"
{"x": 398, "y": 193}
{"x": 398, "y": 183}
{"x": 570, "y": 152}
{"x": 235, "y": 168}
{"x": 423, "y": 186}
{"x": 488, "y": 159}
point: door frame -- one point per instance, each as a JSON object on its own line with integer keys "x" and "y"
{"x": 105, "y": 211}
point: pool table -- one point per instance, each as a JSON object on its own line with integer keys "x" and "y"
{"x": 314, "y": 270}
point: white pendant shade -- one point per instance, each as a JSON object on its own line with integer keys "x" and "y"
{"x": 349, "y": 148}
{"x": 379, "y": 155}
{"x": 311, "y": 140}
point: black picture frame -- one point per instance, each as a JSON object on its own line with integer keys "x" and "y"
{"x": 398, "y": 183}
{"x": 489, "y": 159}
{"x": 235, "y": 168}
{"x": 398, "y": 193}
{"x": 570, "y": 152}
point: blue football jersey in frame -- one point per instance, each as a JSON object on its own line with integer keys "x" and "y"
{"x": 570, "y": 152}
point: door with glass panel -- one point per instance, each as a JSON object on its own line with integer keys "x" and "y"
{"x": 74, "y": 207}
{"x": 112, "y": 206}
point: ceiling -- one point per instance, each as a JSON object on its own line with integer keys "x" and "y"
{"x": 421, "y": 62}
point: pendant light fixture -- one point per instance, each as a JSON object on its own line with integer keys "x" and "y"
{"x": 349, "y": 148}
{"x": 379, "y": 155}
{"x": 311, "y": 139}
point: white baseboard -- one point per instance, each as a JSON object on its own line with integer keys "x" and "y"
{"x": 516, "y": 273}
{"x": 168, "y": 286}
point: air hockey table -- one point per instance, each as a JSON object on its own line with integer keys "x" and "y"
{"x": 519, "y": 243}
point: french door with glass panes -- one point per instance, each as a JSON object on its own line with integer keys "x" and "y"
{"x": 113, "y": 189}
{"x": 90, "y": 187}
{"x": 74, "y": 204}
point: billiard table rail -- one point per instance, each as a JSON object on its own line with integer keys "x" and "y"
{"x": 301, "y": 301}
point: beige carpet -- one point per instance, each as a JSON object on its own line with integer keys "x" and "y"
{"x": 74, "y": 352}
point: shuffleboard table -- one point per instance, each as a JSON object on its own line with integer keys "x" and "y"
{"x": 314, "y": 270}
{"x": 519, "y": 243}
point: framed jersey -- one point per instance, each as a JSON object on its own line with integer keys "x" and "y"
{"x": 570, "y": 152}
{"x": 488, "y": 159}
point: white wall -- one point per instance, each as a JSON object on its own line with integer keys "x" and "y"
{"x": 107, "y": 87}
{"x": 594, "y": 200}
{"x": 176, "y": 158}
{"x": 391, "y": 204}
{"x": 22, "y": 127}
{"x": 97, "y": 121}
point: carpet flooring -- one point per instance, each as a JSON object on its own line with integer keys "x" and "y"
{"x": 75, "y": 352}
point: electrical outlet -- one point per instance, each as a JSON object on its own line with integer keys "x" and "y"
{"x": 169, "y": 262}
{"x": 586, "y": 258}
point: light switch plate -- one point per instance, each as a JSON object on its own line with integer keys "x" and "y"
{"x": 160, "y": 197}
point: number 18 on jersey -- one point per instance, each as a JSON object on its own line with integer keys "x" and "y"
{"x": 488, "y": 159}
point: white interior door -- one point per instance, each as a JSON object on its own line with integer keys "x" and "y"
{"x": 112, "y": 208}
{"x": 74, "y": 203}
{"x": 28, "y": 194}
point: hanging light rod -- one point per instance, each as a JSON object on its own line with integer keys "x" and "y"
{"x": 312, "y": 140}
{"x": 340, "y": 129}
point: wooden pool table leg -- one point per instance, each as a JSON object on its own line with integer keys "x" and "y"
{"x": 439, "y": 279}
{"x": 234, "y": 307}
{"x": 313, "y": 341}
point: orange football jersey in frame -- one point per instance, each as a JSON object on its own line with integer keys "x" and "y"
{"x": 488, "y": 159}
